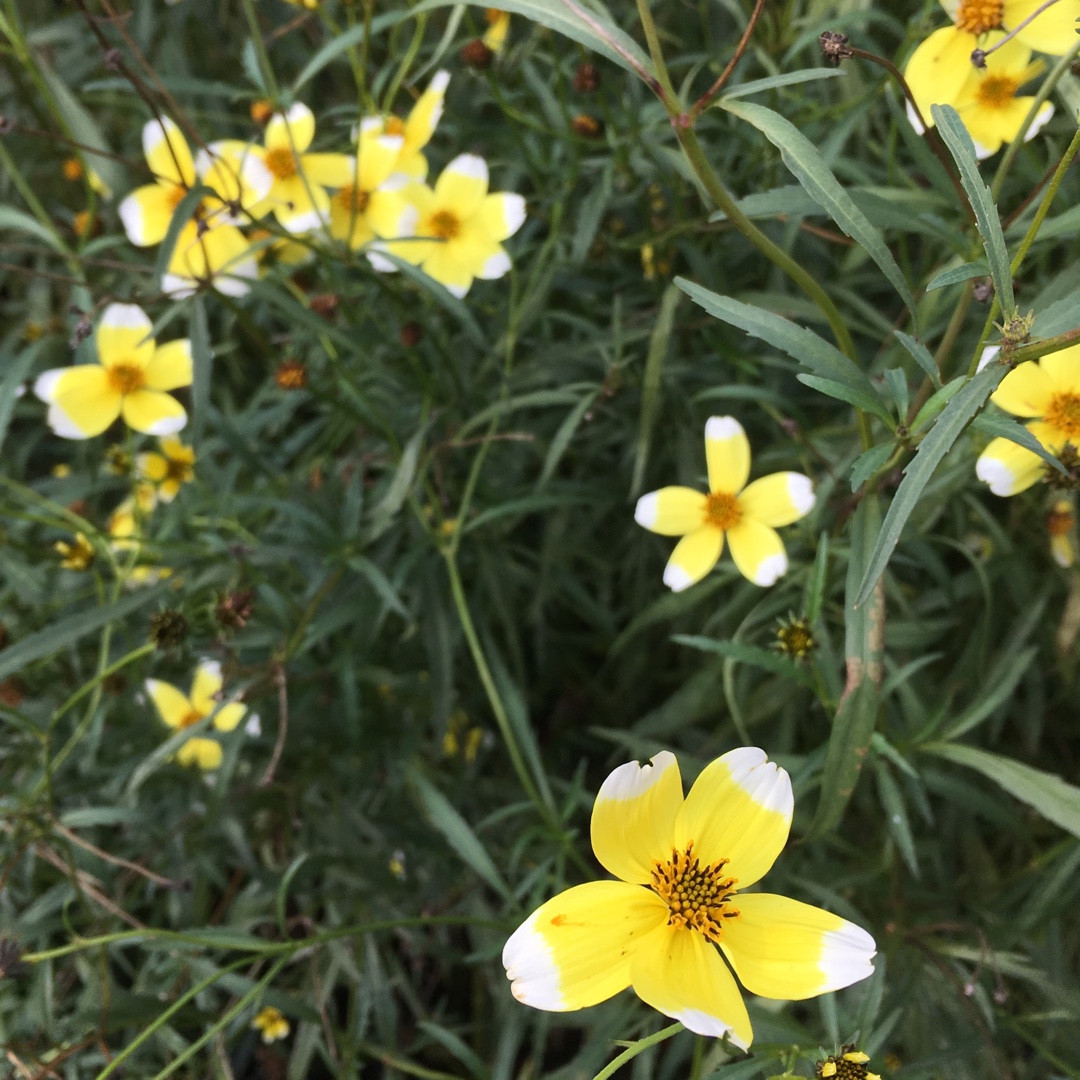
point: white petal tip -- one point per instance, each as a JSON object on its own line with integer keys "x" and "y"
{"x": 702, "y": 1023}
{"x": 514, "y": 209}
{"x": 996, "y": 474}
{"x": 771, "y": 570}
{"x": 63, "y": 425}
{"x": 723, "y": 427}
{"x": 846, "y": 956}
{"x": 439, "y": 81}
{"x": 631, "y": 780}
{"x": 676, "y": 578}
{"x": 988, "y": 354}
{"x": 763, "y": 780}
{"x": 45, "y": 383}
{"x": 534, "y": 978}
{"x": 469, "y": 165}
{"x": 495, "y": 267}
{"x": 167, "y": 425}
{"x": 801, "y": 492}
{"x": 647, "y": 509}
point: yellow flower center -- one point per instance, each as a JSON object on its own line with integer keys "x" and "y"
{"x": 997, "y": 91}
{"x": 192, "y": 718}
{"x": 697, "y": 896}
{"x": 281, "y": 161}
{"x": 394, "y": 126}
{"x": 444, "y": 224}
{"x": 1063, "y": 413}
{"x": 126, "y": 377}
{"x": 352, "y": 200}
{"x": 978, "y": 16}
{"x": 722, "y": 510}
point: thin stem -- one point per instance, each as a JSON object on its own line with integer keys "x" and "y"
{"x": 668, "y": 96}
{"x": 1044, "y": 347}
{"x": 702, "y": 102}
{"x": 260, "y": 52}
{"x": 982, "y": 54}
{"x": 636, "y": 1048}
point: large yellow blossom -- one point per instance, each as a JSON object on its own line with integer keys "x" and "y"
{"x": 415, "y": 131}
{"x": 209, "y": 249}
{"x": 748, "y": 516}
{"x": 683, "y": 866}
{"x": 986, "y": 98}
{"x": 458, "y": 227}
{"x": 180, "y": 711}
{"x": 130, "y": 379}
{"x": 1052, "y": 31}
{"x": 1049, "y": 391}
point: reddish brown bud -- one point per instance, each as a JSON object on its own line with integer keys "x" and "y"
{"x": 586, "y": 79}
{"x": 477, "y": 55}
{"x": 411, "y": 334}
{"x": 324, "y": 304}
{"x": 291, "y": 375}
{"x": 587, "y": 127}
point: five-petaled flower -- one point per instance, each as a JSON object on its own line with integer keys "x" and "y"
{"x": 170, "y": 469}
{"x": 458, "y": 227}
{"x": 415, "y": 130}
{"x": 130, "y": 379}
{"x": 180, "y": 711}
{"x": 1049, "y": 390}
{"x": 683, "y": 866}
{"x": 748, "y": 516}
{"x": 271, "y": 1024}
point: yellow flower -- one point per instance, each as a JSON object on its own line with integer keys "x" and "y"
{"x": 849, "y": 1065}
{"x": 458, "y": 227}
{"x": 986, "y": 98}
{"x": 180, "y": 712}
{"x": 415, "y": 131}
{"x": 77, "y": 555}
{"x": 298, "y": 180}
{"x": 498, "y": 27}
{"x": 209, "y": 249}
{"x": 682, "y": 867}
{"x": 174, "y": 466}
{"x": 1049, "y": 390}
{"x": 270, "y": 1021}
{"x": 1060, "y": 523}
{"x": 1050, "y": 32}
{"x": 367, "y": 206}
{"x": 748, "y": 515}
{"x": 130, "y": 379}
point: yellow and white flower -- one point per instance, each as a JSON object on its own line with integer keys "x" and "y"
{"x": 209, "y": 248}
{"x": 986, "y": 98}
{"x": 459, "y": 227}
{"x": 748, "y": 515}
{"x": 1049, "y": 391}
{"x": 180, "y": 711}
{"x": 299, "y": 179}
{"x": 169, "y": 470}
{"x": 130, "y": 379}
{"x": 415, "y": 131}
{"x": 679, "y": 903}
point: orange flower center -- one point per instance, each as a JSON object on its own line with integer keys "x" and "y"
{"x": 394, "y": 126}
{"x": 175, "y": 195}
{"x": 352, "y": 200}
{"x": 978, "y": 16}
{"x": 126, "y": 377}
{"x": 281, "y": 161}
{"x": 1063, "y": 413}
{"x": 722, "y": 510}
{"x": 697, "y": 896}
{"x": 192, "y": 718}
{"x": 444, "y": 224}
{"x": 997, "y": 91}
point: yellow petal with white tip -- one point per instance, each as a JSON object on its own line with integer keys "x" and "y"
{"x": 206, "y": 686}
{"x": 727, "y": 452}
{"x": 1025, "y": 391}
{"x": 83, "y": 403}
{"x": 203, "y": 753}
{"x": 758, "y": 552}
{"x": 575, "y": 950}
{"x": 292, "y": 130}
{"x": 782, "y": 948}
{"x": 172, "y": 706}
{"x": 1008, "y": 468}
{"x": 171, "y": 366}
{"x": 694, "y": 556}
{"x": 425, "y": 116}
{"x": 679, "y": 973}
{"x": 228, "y": 716}
{"x": 1062, "y": 367}
{"x": 125, "y": 335}
{"x": 939, "y": 67}
{"x": 147, "y": 211}
{"x": 738, "y": 809}
{"x": 671, "y": 511}
{"x": 633, "y": 818}
{"x": 167, "y": 152}
{"x": 778, "y": 499}
{"x": 502, "y": 214}
{"x": 462, "y": 186}
{"x": 153, "y": 412}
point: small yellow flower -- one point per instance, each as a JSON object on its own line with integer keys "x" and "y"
{"x": 180, "y": 711}
{"x": 459, "y": 227}
{"x": 77, "y": 555}
{"x": 61, "y": 470}
{"x": 270, "y": 1022}
{"x": 1047, "y": 389}
{"x": 1060, "y": 523}
{"x": 498, "y": 27}
{"x": 748, "y": 515}
{"x": 130, "y": 379}
{"x": 850, "y": 1064}
{"x": 170, "y": 469}
{"x": 415, "y": 131}
{"x": 662, "y": 927}
{"x": 986, "y": 98}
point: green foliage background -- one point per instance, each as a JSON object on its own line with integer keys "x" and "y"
{"x": 439, "y": 536}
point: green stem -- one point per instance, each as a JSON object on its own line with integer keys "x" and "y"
{"x": 261, "y": 53}
{"x": 666, "y": 92}
{"x": 636, "y": 1048}
{"x": 1044, "y": 347}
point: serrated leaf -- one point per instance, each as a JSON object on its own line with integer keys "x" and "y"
{"x": 964, "y": 272}
{"x": 868, "y": 402}
{"x": 920, "y": 354}
{"x": 868, "y": 463}
{"x": 805, "y": 161}
{"x": 1005, "y": 427}
{"x": 747, "y": 654}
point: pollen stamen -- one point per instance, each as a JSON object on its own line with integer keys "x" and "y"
{"x": 722, "y": 510}
{"x": 1063, "y": 414}
{"x": 697, "y": 896}
{"x": 979, "y": 16}
{"x": 281, "y": 161}
{"x": 444, "y": 224}
{"x": 126, "y": 377}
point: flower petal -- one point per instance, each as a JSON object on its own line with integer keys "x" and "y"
{"x": 147, "y": 211}
{"x": 448, "y": 270}
{"x": 678, "y": 972}
{"x": 152, "y": 466}
{"x": 939, "y": 67}
{"x": 424, "y": 117}
{"x": 727, "y": 451}
{"x": 1062, "y": 368}
{"x": 205, "y": 687}
{"x": 778, "y": 499}
{"x": 205, "y": 753}
{"x": 228, "y": 716}
{"x": 124, "y": 335}
{"x": 462, "y": 186}
{"x": 671, "y": 511}
{"x": 502, "y": 214}
{"x": 634, "y": 816}
{"x": 782, "y": 948}
{"x": 293, "y": 130}
{"x": 376, "y": 156}
{"x": 301, "y": 206}
{"x": 167, "y": 152}
{"x": 172, "y": 706}
{"x": 1025, "y": 391}
{"x": 1051, "y": 32}
{"x": 758, "y": 552}
{"x": 694, "y": 556}
{"x": 84, "y": 403}
{"x": 171, "y": 366}
{"x": 329, "y": 170}
{"x": 739, "y": 809}
{"x": 153, "y": 412}
{"x": 575, "y": 950}
{"x": 1008, "y": 468}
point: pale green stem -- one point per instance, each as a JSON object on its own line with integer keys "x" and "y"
{"x": 636, "y": 1048}
{"x": 260, "y": 52}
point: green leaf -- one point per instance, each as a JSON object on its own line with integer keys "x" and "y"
{"x": 561, "y": 440}
{"x": 12, "y": 374}
{"x": 202, "y": 361}
{"x": 747, "y": 654}
{"x": 957, "y": 139}
{"x": 805, "y": 161}
{"x": 856, "y": 717}
{"x": 799, "y": 343}
{"x": 956, "y": 416}
{"x": 868, "y": 402}
{"x": 387, "y": 508}
{"x": 868, "y": 463}
{"x": 920, "y": 354}
{"x": 19, "y": 220}
{"x": 650, "y": 390}
{"x": 774, "y": 82}
{"x": 341, "y": 43}
{"x": 1001, "y": 683}
{"x": 440, "y": 814}
{"x": 997, "y": 425}
{"x": 964, "y": 272}
{"x": 1056, "y": 800}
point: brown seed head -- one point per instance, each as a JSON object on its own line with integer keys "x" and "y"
{"x": 477, "y": 55}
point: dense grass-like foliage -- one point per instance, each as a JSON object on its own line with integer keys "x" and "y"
{"x": 410, "y": 544}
